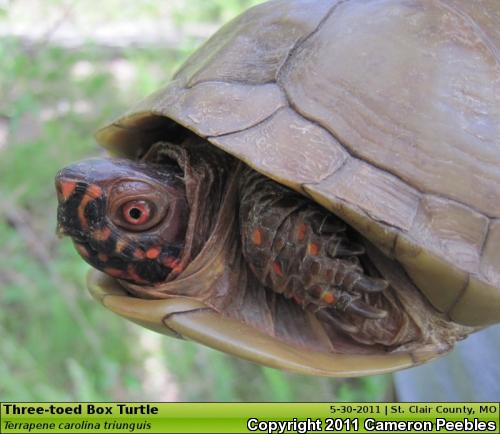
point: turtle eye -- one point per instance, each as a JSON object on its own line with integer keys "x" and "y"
{"x": 137, "y": 212}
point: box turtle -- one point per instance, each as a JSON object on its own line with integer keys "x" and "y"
{"x": 317, "y": 189}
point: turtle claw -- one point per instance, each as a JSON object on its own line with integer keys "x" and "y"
{"x": 343, "y": 247}
{"x": 359, "y": 307}
{"x": 370, "y": 284}
{"x": 329, "y": 226}
{"x": 327, "y": 317}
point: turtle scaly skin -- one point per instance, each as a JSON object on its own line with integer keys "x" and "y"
{"x": 298, "y": 249}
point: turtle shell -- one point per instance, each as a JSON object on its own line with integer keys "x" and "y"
{"x": 385, "y": 112}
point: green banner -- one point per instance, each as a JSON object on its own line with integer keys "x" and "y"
{"x": 86, "y": 417}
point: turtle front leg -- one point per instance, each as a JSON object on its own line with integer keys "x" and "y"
{"x": 298, "y": 249}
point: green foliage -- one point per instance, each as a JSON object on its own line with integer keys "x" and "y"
{"x": 213, "y": 11}
{"x": 57, "y": 343}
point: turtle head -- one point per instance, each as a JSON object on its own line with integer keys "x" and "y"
{"x": 126, "y": 218}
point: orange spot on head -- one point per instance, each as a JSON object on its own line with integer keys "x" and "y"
{"x": 81, "y": 211}
{"x": 153, "y": 252}
{"x": 257, "y": 237}
{"x": 313, "y": 249}
{"x": 102, "y": 257}
{"x": 277, "y": 269}
{"x": 101, "y": 234}
{"x": 139, "y": 254}
{"x": 301, "y": 232}
{"x": 94, "y": 191}
{"x": 67, "y": 189}
{"x": 328, "y": 298}
{"x": 120, "y": 246}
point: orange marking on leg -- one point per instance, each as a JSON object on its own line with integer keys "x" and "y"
{"x": 102, "y": 257}
{"x": 313, "y": 249}
{"x": 67, "y": 189}
{"x": 101, "y": 234}
{"x": 257, "y": 237}
{"x": 277, "y": 269}
{"x": 298, "y": 299}
{"x": 153, "y": 252}
{"x": 301, "y": 232}
{"x": 139, "y": 254}
{"x": 328, "y": 298}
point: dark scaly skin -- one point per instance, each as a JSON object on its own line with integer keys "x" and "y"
{"x": 302, "y": 251}
{"x": 293, "y": 246}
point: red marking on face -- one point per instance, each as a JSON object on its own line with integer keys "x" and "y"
{"x": 120, "y": 246}
{"x": 257, "y": 237}
{"x": 301, "y": 232}
{"x": 153, "y": 252}
{"x": 102, "y": 257}
{"x": 139, "y": 254}
{"x": 173, "y": 263}
{"x": 81, "y": 211}
{"x": 101, "y": 234}
{"x": 313, "y": 249}
{"x": 94, "y": 191}
{"x": 114, "y": 272}
{"x": 132, "y": 274}
{"x": 328, "y": 298}
{"x": 67, "y": 189}
{"x": 277, "y": 269}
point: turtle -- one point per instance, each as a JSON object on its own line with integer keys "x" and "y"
{"x": 317, "y": 189}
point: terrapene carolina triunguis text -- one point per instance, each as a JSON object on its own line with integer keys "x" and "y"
{"x": 317, "y": 189}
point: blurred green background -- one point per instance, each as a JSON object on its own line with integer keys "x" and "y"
{"x": 67, "y": 67}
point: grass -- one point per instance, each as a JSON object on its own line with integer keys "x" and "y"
{"x": 58, "y": 344}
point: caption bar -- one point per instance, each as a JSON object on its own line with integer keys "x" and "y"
{"x": 248, "y": 418}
